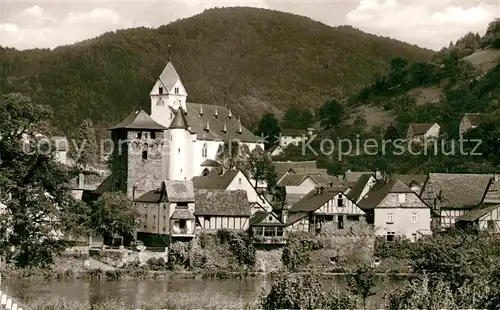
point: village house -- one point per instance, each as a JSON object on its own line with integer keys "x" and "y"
{"x": 79, "y": 187}
{"x": 323, "y": 205}
{"x": 61, "y": 151}
{"x": 353, "y": 176}
{"x": 414, "y": 182}
{"x": 452, "y": 195}
{"x": 267, "y": 228}
{"x": 222, "y": 209}
{"x": 470, "y": 121}
{"x": 294, "y": 136}
{"x": 276, "y": 151}
{"x": 421, "y": 132}
{"x": 233, "y": 180}
{"x": 396, "y": 211}
{"x": 166, "y": 213}
{"x": 361, "y": 187}
{"x": 283, "y": 168}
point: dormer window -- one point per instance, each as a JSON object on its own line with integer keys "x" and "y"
{"x": 160, "y": 90}
{"x": 176, "y": 90}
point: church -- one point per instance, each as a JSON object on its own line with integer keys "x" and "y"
{"x": 178, "y": 141}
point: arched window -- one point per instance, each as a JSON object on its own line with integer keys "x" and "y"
{"x": 204, "y": 150}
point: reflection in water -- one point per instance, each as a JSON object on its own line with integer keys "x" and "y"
{"x": 132, "y": 291}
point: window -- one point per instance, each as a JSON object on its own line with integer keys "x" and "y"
{"x": 176, "y": 90}
{"x": 414, "y": 237}
{"x": 240, "y": 181}
{"x": 491, "y": 224}
{"x": 170, "y": 114}
{"x": 144, "y": 155}
{"x": 402, "y": 198}
{"x": 179, "y": 150}
{"x": 340, "y": 201}
{"x": 204, "y": 150}
{"x": 182, "y": 224}
{"x": 160, "y": 90}
{"x": 340, "y": 222}
{"x": 153, "y": 135}
{"x": 145, "y": 135}
{"x": 207, "y": 222}
{"x": 390, "y": 218}
{"x": 270, "y": 218}
{"x": 414, "y": 217}
{"x": 139, "y": 135}
{"x": 182, "y": 204}
{"x": 391, "y": 236}
{"x": 353, "y": 218}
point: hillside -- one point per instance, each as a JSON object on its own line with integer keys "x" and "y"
{"x": 253, "y": 60}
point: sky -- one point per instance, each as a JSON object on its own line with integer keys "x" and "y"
{"x": 427, "y": 23}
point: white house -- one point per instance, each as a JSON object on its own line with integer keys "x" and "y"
{"x": 233, "y": 180}
{"x": 423, "y": 131}
{"x": 195, "y": 130}
{"x": 397, "y": 211}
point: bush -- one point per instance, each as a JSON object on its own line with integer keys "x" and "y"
{"x": 297, "y": 250}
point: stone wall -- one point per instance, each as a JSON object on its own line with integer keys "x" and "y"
{"x": 123, "y": 258}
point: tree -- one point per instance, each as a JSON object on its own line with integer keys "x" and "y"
{"x": 361, "y": 282}
{"x": 260, "y": 168}
{"x": 297, "y": 119}
{"x": 39, "y": 207}
{"x": 232, "y": 155}
{"x": 113, "y": 214}
{"x": 331, "y": 114}
{"x": 269, "y": 129}
{"x": 492, "y": 35}
{"x": 85, "y": 149}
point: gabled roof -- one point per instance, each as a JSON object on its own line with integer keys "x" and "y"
{"x": 282, "y": 167}
{"x": 353, "y": 176}
{"x": 478, "y": 212}
{"x": 169, "y": 76}
{"x": 474, "y": 118}
{"x": 182, "y": 214}
{"x": 408, "y": 179}
{"x": 380, "y": 190}
{"x": 215, "y": 180}
{"x": 313, "y": 201}
{"x": 138, "y": 120}
{"x": 455, "y": 191}
{"x": 171, "y": 191}
{"x": 198, "y": 123}
{"x": 326, "y": 180}
{"x": 179, "y": 121}
{"x": 214, "y": 202}
{"x": 259, "y": 217}
{"x": 358, "y": 187}
{"x": 292, "y": 180}
{"x": 420, "y": 128}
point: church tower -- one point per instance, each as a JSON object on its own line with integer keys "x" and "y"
{"x": 137, "y": 154}
{"x": 178, "y": 148}
{"x": 167, "y": 96}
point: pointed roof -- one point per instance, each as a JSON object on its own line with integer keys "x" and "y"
{"x": 169, "y": 76}
{"x": 380, "y": 190}
{"x": 138, "y": 120}
{"x": 180, "y": 121}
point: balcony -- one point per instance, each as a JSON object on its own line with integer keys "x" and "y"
{"x": 269, "y": 235}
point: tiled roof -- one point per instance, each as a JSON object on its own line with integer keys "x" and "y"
{"x": 222, "y": 203}
{"x": 295, "y": 217}
{"x": 259, "y": 216}
{"x": 179, "y": 191}
{"x": 182, "y": 214}
{"x": 214, "y": 180}
{"x": 478, "y": 212}
{"x": 353, "y": 176}
{"x": 326, "y": 180}
{"x": 198, "y": 123}
{"x": 169, "y": 76}
{"x": 209, "y": 163}
{"x": 138, "y": 120}
{"x": 153, "y": 196}
{"x": 357, "y": 188}
{"x": 408, "y": 179}
{"x": 475, "y": 119}
{"x": 420, "y": 128}
{"x": 455, "y": 191}
{"x": 292, "y": 179}
{"x": 282, "y": 167}
{"x": 380, "y": 190}
{"x": 313, "y": 201}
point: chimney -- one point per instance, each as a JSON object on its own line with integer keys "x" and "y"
{"x": 230, "y": 115}
{"x": 81, "y": 181}
{"x": 201, "y": 110}
{"x": 216, "y": 114}
{"x": 239, "y": 126}
{"x": 207, "y": 128}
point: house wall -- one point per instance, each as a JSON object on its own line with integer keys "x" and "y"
{"x": 490, "y": 221}
{"x": 308, "y": 184}
{"x": 287, "y": 140}
{"x": 62, "y": 157}
{"x": 302, "y": 225}
{"x": 403, "y": 212}
{"x": 449, "y": 216}
{"x": 240, "y": 182}
{"x": 433, "y": 131}
{"x": 155, "y": 217}
{"x": 331, "y": 207}
{"x": 161, "y": 113}
{"x": 213, "y": 223}
{"x": 368, "y": 186}
{"x": 465, "y": 126}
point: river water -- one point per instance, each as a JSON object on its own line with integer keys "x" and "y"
{"x": 233, "y": 291}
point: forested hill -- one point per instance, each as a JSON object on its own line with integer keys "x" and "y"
{"x": 251, "y": 59}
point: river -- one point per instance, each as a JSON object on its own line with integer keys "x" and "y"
{"x": 233, "y": 291}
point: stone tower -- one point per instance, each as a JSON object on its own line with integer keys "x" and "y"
{"x": 137, "y": 154}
